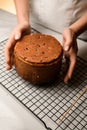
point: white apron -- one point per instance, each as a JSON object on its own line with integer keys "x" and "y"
{"x": 57, "y": 14}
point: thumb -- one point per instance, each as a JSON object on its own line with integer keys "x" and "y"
{"x": 68, "y": 39}
{"x": 66, "y": 47}
{"x": 66, "y": 44}
{"x": 18, "y": 35}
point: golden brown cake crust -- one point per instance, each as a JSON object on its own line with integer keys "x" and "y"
{"x": 38, "y": 48}
{"x": 38, "y": 58}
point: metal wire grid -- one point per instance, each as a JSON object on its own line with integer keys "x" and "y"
{"x": 50, "y": 101}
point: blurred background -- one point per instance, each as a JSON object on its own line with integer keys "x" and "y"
{"x": 7, "y": 5}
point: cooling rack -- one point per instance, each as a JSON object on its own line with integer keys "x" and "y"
{"x": 58, "y": 106}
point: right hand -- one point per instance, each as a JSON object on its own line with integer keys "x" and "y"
{"x": 18, "y": 32}
{"x": 70, "y": 52}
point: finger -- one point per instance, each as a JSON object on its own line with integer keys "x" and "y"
{"x": 67, "y": 44}
{"x": 8, "y": 56}
{"x": 20, "y": 31}
{"x": 17, "y": 35}
{"x": 69, "y": 73}
{"x": 9, "y": 48}
{"x": 68, "y": 37}
{"x": 8, "y": 51}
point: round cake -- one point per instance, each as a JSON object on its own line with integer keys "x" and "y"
{"x": 38, "y": 57}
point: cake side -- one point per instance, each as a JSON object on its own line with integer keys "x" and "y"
{"x": 38, "y": 74}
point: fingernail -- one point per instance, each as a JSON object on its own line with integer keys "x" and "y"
{"x": 8, "y": 68}
{"x": 17, "y": 37}
{"x": 66, "y": 48}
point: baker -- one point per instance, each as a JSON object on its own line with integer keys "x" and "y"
{"x": 68, "y": 18}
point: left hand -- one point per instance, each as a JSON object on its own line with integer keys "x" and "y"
{"x": 20, "y": 30}
{"x": 70, "y": 52}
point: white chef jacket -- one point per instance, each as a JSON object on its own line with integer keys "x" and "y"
{"x": 57, "y": 14}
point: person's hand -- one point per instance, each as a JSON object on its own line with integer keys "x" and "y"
{"x": 70, "y": 52}
{"x": 18, "y": 32}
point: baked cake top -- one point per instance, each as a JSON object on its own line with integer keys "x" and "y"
{"x": 38, "y": 48}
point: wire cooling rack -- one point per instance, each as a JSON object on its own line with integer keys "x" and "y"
{"x": 58, "y": 106}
